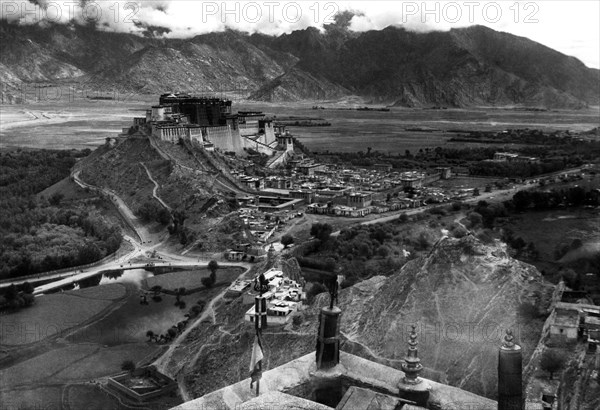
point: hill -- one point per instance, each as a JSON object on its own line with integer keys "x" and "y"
{"x": 462, "y": 67}
{"x": 196, "y": 207}
{"x": 461, "y": 296}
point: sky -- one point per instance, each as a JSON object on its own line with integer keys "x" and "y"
{"x": 571, "y": 27}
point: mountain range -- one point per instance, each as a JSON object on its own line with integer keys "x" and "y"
{"x": 474, "y": 66}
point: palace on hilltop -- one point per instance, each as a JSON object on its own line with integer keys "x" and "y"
{"x": 210, "y": 123}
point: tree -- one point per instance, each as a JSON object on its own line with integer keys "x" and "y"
{"x": 128, "y": 365}
{"x": 552, "y": 361}
{"x": 287, "y": 240}
{"x": 11, "y": 293}
{"x": 321, "y": 231}
{"x": 423, "y": 242}
{"x": 88, "y": 253}
{"x": 150, "y": 335}
{"x": 521, "y": 200}
{"x": 314, "y": 290}
{"x": 27, "y": 288}
{"x": 383, "y": 251}
{"x": 55, "y": 198}
{"x": 213, "y": 266}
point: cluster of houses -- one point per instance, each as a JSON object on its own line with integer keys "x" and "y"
{"x": 320, "y": 189}
{"x": 284, "y": 297}
{"x": 512, "y": 157}
{"x": 575, "y": 318}
{"x": 245, "y": 251}
{"x": 361, "y": 204}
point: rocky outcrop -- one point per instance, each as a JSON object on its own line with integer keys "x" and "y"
{"x": 462, "y": 297}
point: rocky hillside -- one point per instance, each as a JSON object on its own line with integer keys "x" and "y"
{"x": 462, "y": 296}
{"x": 461, "y": 67}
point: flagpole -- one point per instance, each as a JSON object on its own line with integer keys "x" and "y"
{"x": 257, "y": 325}
{"x": 258, "y": 314}
{"x": 258, "y": 387}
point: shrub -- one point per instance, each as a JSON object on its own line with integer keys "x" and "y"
{"x": 207, "y": 282}
{"x": 528, "y": 311}
{"x": 458, "y": 231}
{"x": 128, "y": 365}
{"x": 474, "y": 219}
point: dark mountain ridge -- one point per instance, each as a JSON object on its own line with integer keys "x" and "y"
{"x": 461, "y": 67}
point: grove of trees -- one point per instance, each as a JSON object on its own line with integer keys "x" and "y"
{"x": 40, "y": 234}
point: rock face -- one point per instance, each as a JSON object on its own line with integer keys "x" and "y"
{"x": 462, "y": 297}
{"x": 462, "y": 67}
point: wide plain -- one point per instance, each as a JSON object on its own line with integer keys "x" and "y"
{"x": 87, "y": 123}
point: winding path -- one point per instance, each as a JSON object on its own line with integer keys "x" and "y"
{"x": 156, "y": 187}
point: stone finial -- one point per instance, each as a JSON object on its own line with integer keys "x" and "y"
{"x": 508, "y": 343}
{"x": 412, "y": 364}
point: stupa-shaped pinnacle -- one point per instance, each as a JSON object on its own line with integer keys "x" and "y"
{"x": 412, "y": 364}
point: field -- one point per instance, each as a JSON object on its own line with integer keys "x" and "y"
{"x": 47, "y": 398}
{"x": 76, "y": 363}
{"x": 551, "y": 229}
{"x": 105, "y": 361}
{"x": 191, "y": 279}
{"x": 352, "y": 131}
{"x": 86, "y": 124}
{"x": 58, "y": 372}
{"x": 464, "y": 182}
{"x": 56, "y": 313}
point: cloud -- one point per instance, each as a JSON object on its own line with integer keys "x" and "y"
{"x": 572, "y": 30}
